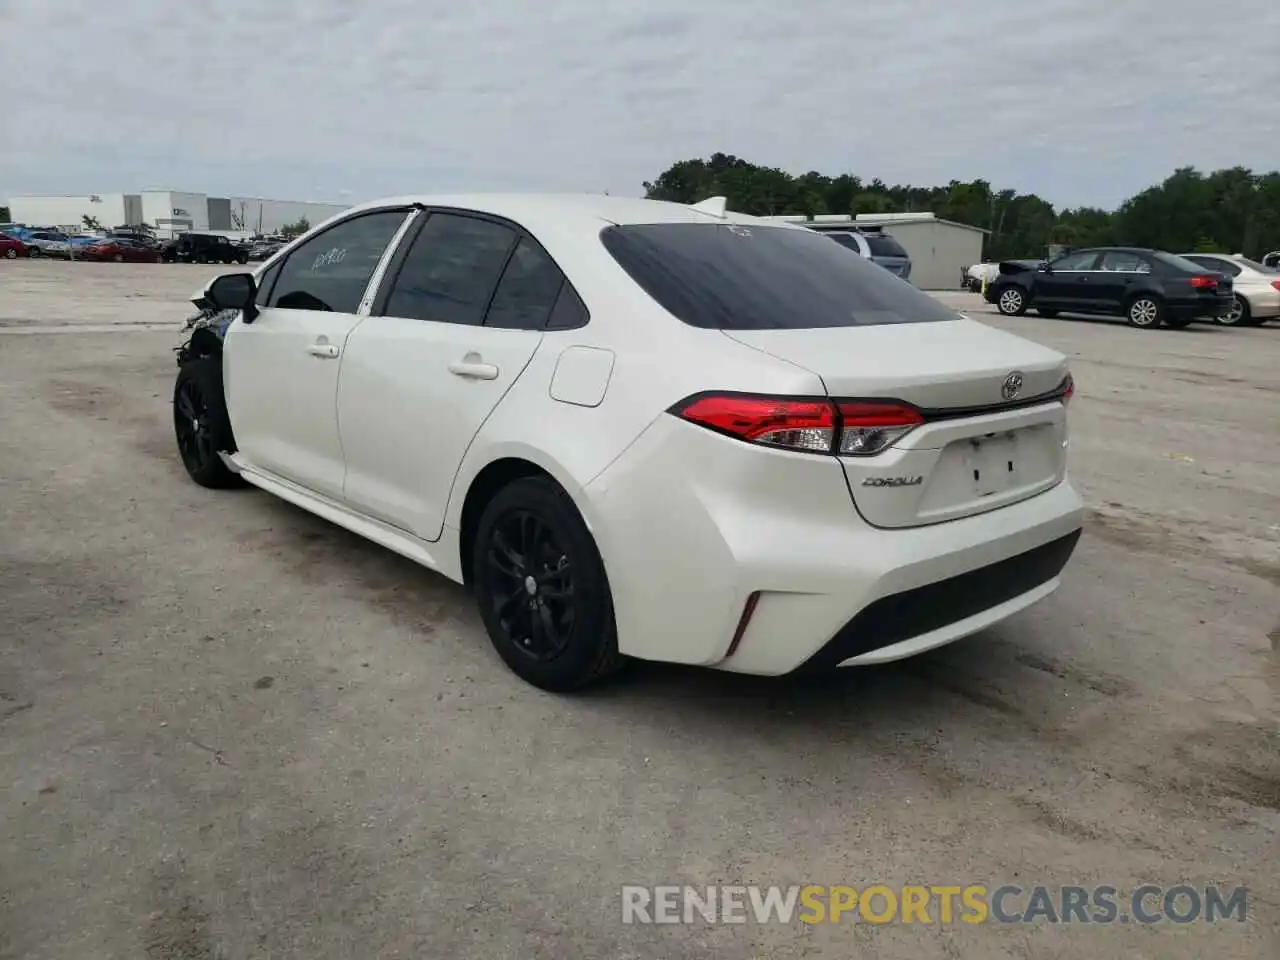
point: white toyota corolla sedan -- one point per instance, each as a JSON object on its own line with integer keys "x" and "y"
{"x": 642, "y": 429}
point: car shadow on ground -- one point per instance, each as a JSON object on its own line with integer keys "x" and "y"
{"x": 964, "y": 673}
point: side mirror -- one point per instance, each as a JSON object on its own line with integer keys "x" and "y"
{"x": 234, "y": 291}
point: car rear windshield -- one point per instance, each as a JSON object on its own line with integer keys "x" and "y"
{"x": 883, "y": 245}
{"x": 738, "y": 277}
{"x": 1181, "y": 263}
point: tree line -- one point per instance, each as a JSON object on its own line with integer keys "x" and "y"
{"x": 1227, "y": 211}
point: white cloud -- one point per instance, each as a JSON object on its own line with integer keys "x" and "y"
{"x": 1083, "y": 101}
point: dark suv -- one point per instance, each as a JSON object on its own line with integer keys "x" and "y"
{"x": 203, "y": 248}
{"x": 1146, "y": 287}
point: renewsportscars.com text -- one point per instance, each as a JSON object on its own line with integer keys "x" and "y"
{"x": 934, "y": 904}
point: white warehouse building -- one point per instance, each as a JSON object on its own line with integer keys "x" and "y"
{"x": 169, "y": 212}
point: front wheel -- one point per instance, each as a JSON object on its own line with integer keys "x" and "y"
{"x": 1012, "y": 302}
{"x": 118, "y": 258}
{"x": 542, "y": 589}
{"x": 11, "y": 254}
{"x": 33, "y": 253}
{"x": 200, "y": 423}
{"x": 1239, "y": 315}
{"x": 1145, "y": 312}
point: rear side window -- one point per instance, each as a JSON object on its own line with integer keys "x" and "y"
{"x": 451, "y": 270}
{"x": 528, "y": 290}
{"x": 738, "y": 277}
{"x": 883, "y": 245}
{"x": 847, "y": 240}
{"x": 1122, "y": 261}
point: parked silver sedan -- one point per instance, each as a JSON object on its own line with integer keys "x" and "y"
{"x": 1256, "y": 287}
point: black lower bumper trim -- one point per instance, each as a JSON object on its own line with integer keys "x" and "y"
{"x": 901, "y": 616}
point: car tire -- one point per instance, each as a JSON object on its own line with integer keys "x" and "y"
{"x": 1145, "y": 311}
{"x": 1047, "y": 314}
{"x": 11, "y": 254}
{"x": 200, "y": 423}
{"x": 1240, "y": 315}
{"x": 33, "y": 253}
{"x": 542, "y": 589}
{"x": 1011, "y": 301}
{"x": 118, "y": 258}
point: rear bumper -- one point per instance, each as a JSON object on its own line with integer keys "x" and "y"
{"x": 1264, "y": 305}
{"x": 1197, "y": 308}
{"x": 687, "y": 548}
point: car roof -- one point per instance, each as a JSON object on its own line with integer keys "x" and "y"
{"x": 534, "y": 210}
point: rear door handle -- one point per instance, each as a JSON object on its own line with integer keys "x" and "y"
{"x": 327, "y": 351}
{"x": 473, "y": 368}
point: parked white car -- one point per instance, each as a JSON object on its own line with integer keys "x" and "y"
{"x": 642, "y": 429}
{"x": 1256, "y": 287}
{"x": 974, "y": 276}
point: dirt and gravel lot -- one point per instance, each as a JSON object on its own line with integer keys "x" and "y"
{"x": 228, "y": 729}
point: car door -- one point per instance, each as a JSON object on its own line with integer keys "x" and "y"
{"x": 1065, "y": 284}
{"x": 1120, "y": 274}
{"x": 457, "y": 321}
{"x": 281, "y": 370}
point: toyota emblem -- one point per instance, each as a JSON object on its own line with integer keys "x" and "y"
{"x": 1012, "y": 386}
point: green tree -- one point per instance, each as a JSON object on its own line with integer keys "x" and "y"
{"x": 1233, "y": 210}
{"x": 297, "y": 229}
{"x": 90, "y": 223}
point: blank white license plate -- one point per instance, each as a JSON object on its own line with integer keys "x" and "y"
{"x": 993, "y": 464}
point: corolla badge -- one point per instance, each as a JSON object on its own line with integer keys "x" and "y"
{"x": 1012, "y": 386}
{"x": 914, "y": 481}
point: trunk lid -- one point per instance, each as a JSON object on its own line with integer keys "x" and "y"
{"x": 979, "y": 449}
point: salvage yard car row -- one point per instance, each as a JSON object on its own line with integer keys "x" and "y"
{"x": 1148, "y": 288}
{"x": 131, "y": 245}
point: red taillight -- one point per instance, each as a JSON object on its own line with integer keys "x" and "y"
{"x": 794, "y": 424}
{"x": 1204, "y": 283}
{"x": 1276, "y": 284}
{"x": 851, "y": 428}
{"x": 1068, "y": 389}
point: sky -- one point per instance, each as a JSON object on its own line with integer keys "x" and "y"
{"x": 1080, "y": 101}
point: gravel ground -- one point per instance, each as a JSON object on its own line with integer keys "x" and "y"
{"x": 230, "y": 730}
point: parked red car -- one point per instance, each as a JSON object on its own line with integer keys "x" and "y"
{"x": 11, "y": 248}
{"x": 121, "y": 250}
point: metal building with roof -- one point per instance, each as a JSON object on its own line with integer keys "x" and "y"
{"x": 940, "y": 249}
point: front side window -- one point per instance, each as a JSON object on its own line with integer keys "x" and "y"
{"x": 749, "y": 277}
{"x": 265, "y": 283}
{"x": 331, "y": 270}
{"x": 451, "y": 270}
{"x": 1083, "y": 260}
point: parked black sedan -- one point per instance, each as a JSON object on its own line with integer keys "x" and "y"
{"x": 1149, "y": 288}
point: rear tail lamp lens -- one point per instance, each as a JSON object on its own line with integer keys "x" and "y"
{"x": 868, "y": 428}
{"x": 1204, "y": 283}
{"x": 792, "y": 424}
{"x": 1068, "y": 389}
{"x": 1276, "y": 284}
{"x": 856, "y": 429}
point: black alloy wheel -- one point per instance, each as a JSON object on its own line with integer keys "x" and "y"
{"x": 530, "y": 585}
{"x": 200, "y": 423}
{"x": 542, "y": 589}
